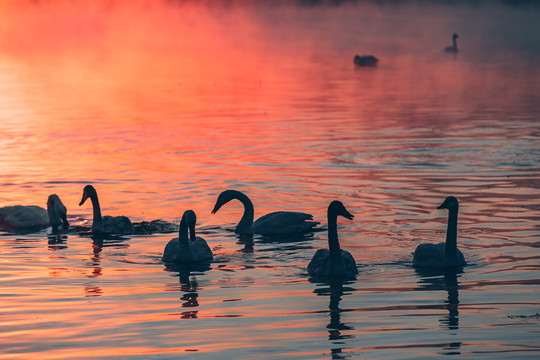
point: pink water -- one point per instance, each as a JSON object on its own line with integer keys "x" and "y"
{"x": 162, "y": 105}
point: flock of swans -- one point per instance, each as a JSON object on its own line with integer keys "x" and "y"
{"x": 191, "y": 249}
{"x": 372, "y": 61}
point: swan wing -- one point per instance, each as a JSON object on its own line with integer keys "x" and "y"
{"x": 284, "y": 222}
{"x": 349, "y": 263}
{"x": 177, "y": 253}
{"x": 23, "y": 217}
{"x": 429, "y": 255}
{"x": 320, "y": 263}
{"x": 201, "y": 250}
{"x": 117, "y": 225}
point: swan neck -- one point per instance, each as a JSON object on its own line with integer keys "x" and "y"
{"x": 336, "y": 263}
{"x": 454, "y": 41}
{"x": 244, "y": 226}
{"x": 97, "y": 221}
{"x": 450, "y": 248}
{"x": 183, "y": 233}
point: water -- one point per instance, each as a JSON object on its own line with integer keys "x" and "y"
{"x": 162, "y": 105}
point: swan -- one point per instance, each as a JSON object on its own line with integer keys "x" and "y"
{"x": 333, "y": 261}
{"x": 107, "y": 224}
{"x": 184, "y": 248}
{"x": 453, "y": 48}
{"x": 366, "y": 60}
{"x": 154, "y": 226}
{"x": 279, "y": 222}
{"x": 57, "y": 213}
{"x": 23, "y": 217}
{"x": 442, "y": 254}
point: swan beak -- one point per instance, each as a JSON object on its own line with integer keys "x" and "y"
{"x": 348, "y": 215}
{"x": 216, "y": 208}
{"x": 442, "y": 206}
{"x": 84, "y": 197}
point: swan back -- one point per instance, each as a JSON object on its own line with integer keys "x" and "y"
{"x": 366, "y": 60}
{"x": 284, "y": 222}
{"x": 23, "y": 217}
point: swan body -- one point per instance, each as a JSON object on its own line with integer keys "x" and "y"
{"x": 184, "y": 248}
{"x": 105, "y": 224}
{"x": 279, "y": 222}
{"x": 23, "y": 217}
{"x": 154, "y": 226}
{"x": 445, "y": 254}
{"x": 57, "y": 213}
{"x": 453, "y": 48}
{"x": 366, "y": 60}
{"x": 334, "y": 261}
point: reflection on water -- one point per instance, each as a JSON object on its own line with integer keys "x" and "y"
{"x": 336, "y": 328}
{"x": 443, "y": 279}
{"x": 164, "y": 104}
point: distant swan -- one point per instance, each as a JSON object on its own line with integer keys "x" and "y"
{"x": 453, "y": 48}
{"x": 279, "y": 222}
{"x": 442, "y": 254}
{"x": 184, "y": 249}
{"x": 366, "y": 60}
{"x": 333, "y": 261}
{"x": 105, "y": 224}
{"x": 23, "y": 218}
{"x": 57, "y": 213}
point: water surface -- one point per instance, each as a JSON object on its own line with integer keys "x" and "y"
{"x": 163, "y": 105}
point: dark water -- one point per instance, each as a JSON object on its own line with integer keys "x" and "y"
{"x": 163, "y": 105}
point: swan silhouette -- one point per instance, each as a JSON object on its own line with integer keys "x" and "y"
{"x": 57, "y": 213}
{"x": 184, "y": 248}
{"x": 453, "y": 48}
{"x": 23, "y": 218}
{"x": 105, "y": 224}
{"x": 442, "y": 254}
{"x": 279, "y": 222}
{"x": 365, "y": 60}
{"x": 333, "y": 261}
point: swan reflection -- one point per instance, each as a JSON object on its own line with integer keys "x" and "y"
{"x": 443, "y": 279}
{"x": 57, "y": 242}
{"x": 189, "y": 286}
{"x": 337, "y": 330}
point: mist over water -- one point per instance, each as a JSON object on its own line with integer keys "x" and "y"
{"x": 161, "y": 105}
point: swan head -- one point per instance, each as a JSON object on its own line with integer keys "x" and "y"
{"x": 449, "y": 203}
{"x": 55, "y": 208}
{"x": 88, "y": 191}
{"x": 223, "y": 198}
{"x": 455, "y": 36}
{"x": 336, "y": 207}
{"x": 191, "y": 219}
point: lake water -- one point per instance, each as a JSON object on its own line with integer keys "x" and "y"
{"x": 162, "y": 105}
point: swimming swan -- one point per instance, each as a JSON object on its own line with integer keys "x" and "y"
{"x": 333, "y": 261}
{"x": 279, "y": 222}
{"x": 23, "y": 217}
{"x": 184, "y": 249}
{"x": 453, "y": 48}
{"x": 442, "y": 254}
{"x": 366, "y": 60}
{"x": 107, "y": 224}
{"x": 57, "y": 213}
